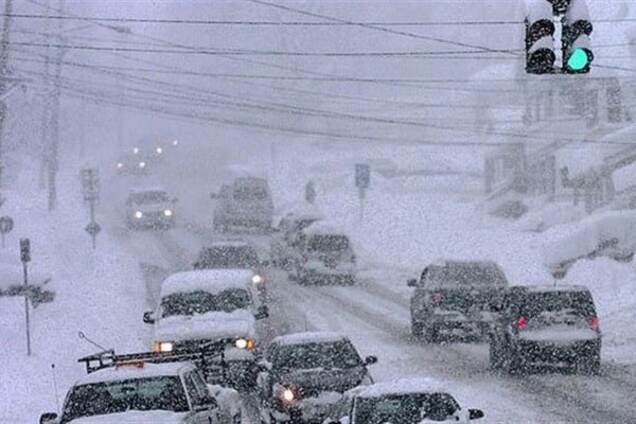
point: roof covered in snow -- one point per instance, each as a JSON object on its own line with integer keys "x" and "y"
{"x": 402, "y": 386}
{"x": 230, "y": 242}
{"x": 309, "y": 337}
{"x": 211, "y": 281}
{"x": 552, "y": 288}
{"x": 149, "y": 370}
{"x": 323, "y": 228}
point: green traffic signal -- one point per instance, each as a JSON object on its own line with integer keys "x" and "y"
{"x": 578, "y": 60}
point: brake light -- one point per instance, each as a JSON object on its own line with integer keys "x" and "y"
{"x": 436, "y": 297}
{"x": 594, "y": 323}
{"x": 521, "y": 323}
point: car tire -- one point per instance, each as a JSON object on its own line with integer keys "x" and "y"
{"x": 590, "y": 364}
{"x": 430, "y": 334}
{"x": 494, "y": 356}
{"x": 512, "y": 362}
{"x": 417, "y": 329}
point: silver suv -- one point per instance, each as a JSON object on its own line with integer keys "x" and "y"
{"x": 247, "y": 201}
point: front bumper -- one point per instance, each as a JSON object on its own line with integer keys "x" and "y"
{"x": 309, "y": 410}
{"x": 152, "y": 221}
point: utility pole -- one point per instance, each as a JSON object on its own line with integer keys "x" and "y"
{"x": 46, "y": 110}
{"x": 53, "y": 160}
{"x": 4, "y": 74}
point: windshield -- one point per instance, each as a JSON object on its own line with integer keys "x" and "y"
{"x": 405, "y": 409}
{"x": 200, "y": 302}
{"x": 229, "y": 257}
{"x": 466, "y": 275}
{"x": 250, "y": 191}
{"x": 339, "y": 354}
{"x": 143, "y": 394}
{"x": 149, "y": 197}
{"x": 328, "y": 243}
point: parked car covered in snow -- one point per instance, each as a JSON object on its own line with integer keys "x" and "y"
{"x": 406, "y": 401}
{"x": 199, "y": 308}
{"x": 304, "y": 375}
{"x": 453, "y": 298}
{"x": 150, "y": 208}
{"x": 285, "y": 242}
{"x": 136, "y": 391}
{"x": 326, "y": 256}
{"x": 246, "y": 201}
{"x": 546, "y": 325}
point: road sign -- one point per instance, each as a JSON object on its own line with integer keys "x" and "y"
{"x": 6, "y": 224}
{"x": 93, "y": 229}
{"x": 90, "y": 184}
{"x": 363, "y": 176}
{"x": 25, "y": 250}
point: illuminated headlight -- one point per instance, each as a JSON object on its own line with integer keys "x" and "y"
{"x": 257, "y": 279}
{"x": 175, "y": 142}
{"x": 159, "y": 150}
{"x": 136, "y": 150}
{"x": 288, "y": 395}
{"x": 139, "y": 214}
{"x": 242, "y": 343}
{"x": 163, "y": 346}
{"x": 167, "y": 212}
{"x": 142, "y": 164}
{"x": 120, "y": 165}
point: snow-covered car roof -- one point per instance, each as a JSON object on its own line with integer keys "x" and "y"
{"x": 448, "y": 262}
{"x": 551, "y": 288}
{"x": 128, "y": 372}
{"x": 139, "y": 190}
{"x": 402, "y": 386}
{"x": 309, "y": 337}
{"x": 155, "y": 417}
{"x": 231, "y": 243}
{"x": 209, "y": 280}
{"x": 324, "y": 228}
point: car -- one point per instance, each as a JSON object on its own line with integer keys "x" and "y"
{"x": 199, "y": 308}
{"x": 150, "y": 208}
{"x": 234, "y": 254}
{"x": 246, "y": 201}
{"x": 303, "y": 376}
{"x": 327, "y": 256}
{"x": 284, "y": 244}
{"x": 133, "y": 388}
{"x": 131, "y": 164}
{"x": 546, "y": 325}
{"x": 404, "y": 401}
{"x": 452, "y": 299}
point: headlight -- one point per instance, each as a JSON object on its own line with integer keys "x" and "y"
{"x": 167, "y": 212}
{"x": 159, "y": 150}
{"x": 175, "y": 142}
{"x": 163, "y": 347}
{"x": 120, "y": 165}
{"x": 288, "y": 395}
{"x": 242, "y": 343}
{"x": 257, "y": 279}
{"x": 136, "y": 150}
{"x": 142, "y": 164}
{"x": 139, "y": 214}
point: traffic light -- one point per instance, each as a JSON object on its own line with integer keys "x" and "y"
{"x": 577, "y": 27}
{"x": 540, "y": 54}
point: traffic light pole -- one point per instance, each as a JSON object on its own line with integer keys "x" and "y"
{"x": 26, "y": 307}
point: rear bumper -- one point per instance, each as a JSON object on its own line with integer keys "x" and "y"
{"x": 534, "y": 352}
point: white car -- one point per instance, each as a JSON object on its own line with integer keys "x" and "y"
{"x": 327, "y": 256}
{"x": 139, "y": 392}
{"x": 406, "y": 401}
{"x": 199, "y": 308}
{"x": 150, "y": 208}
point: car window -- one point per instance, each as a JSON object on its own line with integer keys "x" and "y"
{"x": 405, "y": 408}
{"x": 552, "y": 303}
{"x": 328, "y": 243}
{"x": 458, "y": 275}
{"x": 143, "y": 394}
{"x": 200, "y": 302}
{"x": 340, "y": 354}
{"x": 149, "y": 197}
{"x": 226, "y": 257}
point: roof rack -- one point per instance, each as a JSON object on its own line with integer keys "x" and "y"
{"x": 109, "y": 359}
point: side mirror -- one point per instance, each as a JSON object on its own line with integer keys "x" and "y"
{"x": 370, "y": 360}
{"x": 149, "y": 317}
{"x": 265, "y": 264}
{"x": 262, "y": 313}
{"x": 475, "y": 414}
{"x": 48, "y": 418}
{"x": 213, "y": 196}
{"x": 264, "y": 366}
{"x": 412, "y": 282}
{"x": 196, "y": 265}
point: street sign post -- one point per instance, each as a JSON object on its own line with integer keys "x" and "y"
{"x": 310, "y": 192}
{"x": 25, "y": 258}
{"x": 6, "y": 225}
{"x": 90, "y": 192}
{"x": 363, "y": 181}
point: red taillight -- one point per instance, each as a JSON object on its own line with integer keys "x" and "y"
{"x": 436, "y": 297}
{"x": 522, "y": 323}
{"x": 594, "y": 323}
